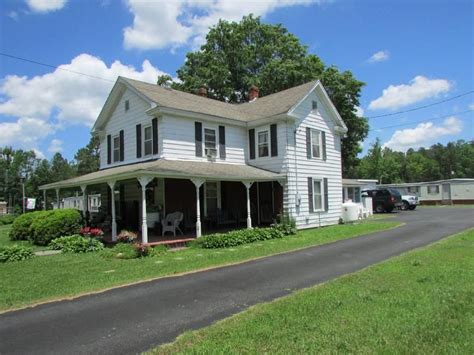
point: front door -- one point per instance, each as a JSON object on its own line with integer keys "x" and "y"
{"x": 446, "y": 192}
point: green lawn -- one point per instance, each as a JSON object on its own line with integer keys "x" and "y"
{"x": 6, "y": 242}
{"x": 52, "y": 277}
{"x": 419, "y": 303}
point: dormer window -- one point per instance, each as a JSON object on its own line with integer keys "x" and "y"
{"x": 127, "y": 105}
{"x": 116, "y": 150}
{"x": 314, "y": 105}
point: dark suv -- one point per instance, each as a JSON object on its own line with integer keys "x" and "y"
{"x": 384, "y": 199}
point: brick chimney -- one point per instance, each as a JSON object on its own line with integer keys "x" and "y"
{"x": 202, "y": 91}
{"x": 253, "y": 93}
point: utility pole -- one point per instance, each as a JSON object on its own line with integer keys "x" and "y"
{"x": 23, "y": 188}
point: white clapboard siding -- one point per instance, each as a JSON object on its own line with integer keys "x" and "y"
{"x": 270, "y": 163}
{"x": 126, "y": 120}
{"x": 299, "y": 167}
{"x": 178, "y": 140}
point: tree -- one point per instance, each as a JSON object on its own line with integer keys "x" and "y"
{"x": 239, "y": 55}
{"x": 61, "y": 169}
{"x": 87, "y": 158}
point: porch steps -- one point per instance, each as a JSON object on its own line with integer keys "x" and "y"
{"x": 172, "y": 243}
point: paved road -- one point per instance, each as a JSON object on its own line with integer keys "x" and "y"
{"x": 135, "y": 318}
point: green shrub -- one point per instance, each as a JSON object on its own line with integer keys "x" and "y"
{"x": 55, "y": 224}
{"x": 158, "y": 250}
{"x": 6, "y": 219}
{"x": 122, "y": 251}
{"x": 21, "y": 228}
{"x": 238, "y": 237}
{"x": 15, "y": 253}
{"x": 76, "y": 244}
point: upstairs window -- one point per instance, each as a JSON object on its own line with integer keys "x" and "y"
{"x": 314, "y": 105}
{"x": 147, "y": 140}
{"x": 315, "y": 143}
{"x": 210, "y": 142}
{"x": 262, "y": 141}
{"x": 127, "y": 105}
{"x": 116, "y": 150}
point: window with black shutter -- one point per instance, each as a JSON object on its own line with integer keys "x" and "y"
{"x": 198, "y": 138}
{"x": 139, "y": 140}
{"x": 252, "y": 143}
{"x": 222, "y": 152}
{"x": 273, "y": 140}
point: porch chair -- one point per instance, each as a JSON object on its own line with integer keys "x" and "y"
{"x": 171, "y": 223}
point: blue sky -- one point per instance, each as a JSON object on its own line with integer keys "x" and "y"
{"x": 409, "y": 53}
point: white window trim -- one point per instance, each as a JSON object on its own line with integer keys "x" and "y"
{"x": 320, "y": 143}
{"x": 215, "y": 129}
{"x": 257, "y": 132}
{"x": 218, "y": 196}
{"x": 321, "y": 182}
{"x": 314, "y": 110}
{"x": 126, "y": 105}
{"x": 436, "y": 187}
{"x": 113, "y": 148}
{"x": 143, "y": 140}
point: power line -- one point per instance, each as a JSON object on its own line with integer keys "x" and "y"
{"x": 428, "y": 119}
{"x": 422, "y": 107}
{"x": 54, "y": 67}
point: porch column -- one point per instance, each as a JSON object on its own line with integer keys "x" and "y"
{"x": 248, "y": 185}
{"x": 198, "y": 183}
{"x": 112, "y": 204}
{"x": 57, "y": 199}
{"x": 144, "y": 180}
{"x": 44, "y": 200}
{"x": 85, "y": 204}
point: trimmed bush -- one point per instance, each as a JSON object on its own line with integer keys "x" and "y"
{"x": 158, "y": 250}
{"x": 7, "y": 219}
{"x": 55, "y": 224}
{"x": 21, "y": 228}
{"x": 15, "y": 253}
{"x": 76, "y": 244}
{"x": 238, "y": 237}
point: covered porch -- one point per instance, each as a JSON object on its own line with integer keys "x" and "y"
{"x": 196, "y": 197}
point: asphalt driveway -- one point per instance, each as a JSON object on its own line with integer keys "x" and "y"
{"x": 135, "y": 318}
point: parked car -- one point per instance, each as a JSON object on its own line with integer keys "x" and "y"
{"x": 409, "y": 202}
{"x": 384, "y": 199}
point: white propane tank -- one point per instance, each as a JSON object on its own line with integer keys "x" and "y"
{"x": 350, "y": 211}
{"x": 367, "y": 203}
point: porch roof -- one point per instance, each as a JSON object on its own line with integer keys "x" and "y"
{"x": 171, "y": 169}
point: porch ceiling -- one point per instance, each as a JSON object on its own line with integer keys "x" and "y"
{"x": 171, "y": 169}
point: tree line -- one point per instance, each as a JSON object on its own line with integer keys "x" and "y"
{"x": 19, "y": 166}
{"x": 438, "y": 162}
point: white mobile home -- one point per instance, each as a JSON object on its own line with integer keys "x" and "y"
{"x": 451, "y": 191}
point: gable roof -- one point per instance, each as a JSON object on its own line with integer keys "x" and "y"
{"x": 279, "y": 103}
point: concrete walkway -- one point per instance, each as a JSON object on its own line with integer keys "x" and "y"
{"x": 135, "y": 318}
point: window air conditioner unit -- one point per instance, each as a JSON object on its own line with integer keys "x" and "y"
{"x": 211, "y": 152}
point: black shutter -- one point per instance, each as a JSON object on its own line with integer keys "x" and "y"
{"x": 122, "y": 146}
{"x": 139, "y": 140}
{"x": 222, "y": 142}
{"x": 326, "y": 195}
{"x": 308, "y": 143}
{"x": 154, "y": 124}
{"x": 198, "y": 138}
{"x": 252, "y": 143}
{"x": 109, "y": 149}
{"x": 273, "y": 140}
{"x": 323, "y": 138}
{"x": 310, "y": 194}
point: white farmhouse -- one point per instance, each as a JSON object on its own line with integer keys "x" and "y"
{"x": 219, "y": 165}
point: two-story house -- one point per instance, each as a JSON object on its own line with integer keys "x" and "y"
{"x": 220, "y": 164}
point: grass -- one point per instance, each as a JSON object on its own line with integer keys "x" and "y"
{"x": 421, "y": 302}
{"x": 53, "y": 277}
{"x": 6, "y": 242}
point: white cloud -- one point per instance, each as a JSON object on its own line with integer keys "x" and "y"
{"x": 471, "y": 106}
{"x": 46, "y": 103}
{"x": 55, "y": 146}
{"x": 173, "y": 24}
{"x": 419, "y": 88}
{"x": 13, "y": 15}
{"x": 25, "y": 133}
{"x": 379, "y": 56}
{"x": 424, "y": 134}
{"x": 44, "y": 6}
{"x": 359, "y": 111}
